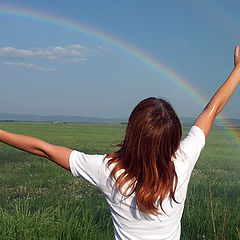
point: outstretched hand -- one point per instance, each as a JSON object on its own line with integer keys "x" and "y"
{"x": 236, "y": 56}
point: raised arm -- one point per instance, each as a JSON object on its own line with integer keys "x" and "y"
{"x": 221, "y": 97}
{"x": 57, "y": 154}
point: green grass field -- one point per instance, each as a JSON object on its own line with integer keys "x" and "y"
{"x": 39, "y": 200}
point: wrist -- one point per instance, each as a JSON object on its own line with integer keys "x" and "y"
{"x": 237, "y": 67}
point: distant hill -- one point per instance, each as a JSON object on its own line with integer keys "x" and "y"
{"x": 57, "y": 118}
{"x": 218, "y": 122}
{"x": 79, "y": 119}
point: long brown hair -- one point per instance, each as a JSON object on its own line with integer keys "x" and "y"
{"x": 152, "y": 138}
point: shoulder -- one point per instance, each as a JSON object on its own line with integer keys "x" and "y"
{"x": 195, "y": 139}
{"x": 190, "y": 147}
{"x": 86, "y": 166}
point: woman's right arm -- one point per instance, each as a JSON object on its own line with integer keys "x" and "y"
{"x": 57, "y": 154}
{"x": 220, "y": 98}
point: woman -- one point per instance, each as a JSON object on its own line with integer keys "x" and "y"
{"x": 145, "y": 182}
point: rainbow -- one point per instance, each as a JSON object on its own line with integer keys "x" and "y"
{"x": 9, "y": 10}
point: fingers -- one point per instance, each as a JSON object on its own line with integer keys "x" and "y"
{"x": 236, "y": 56}
{"x": 237, "y": 51}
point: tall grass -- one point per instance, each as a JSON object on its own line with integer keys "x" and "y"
{"x": 68, "y": 221}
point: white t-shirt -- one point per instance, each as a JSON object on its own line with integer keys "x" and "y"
{"x": 128, "y": 221}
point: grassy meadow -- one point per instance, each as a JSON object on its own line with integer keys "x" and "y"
{"x": 39, "y": 200}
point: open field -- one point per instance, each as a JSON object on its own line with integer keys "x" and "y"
{"x": 39, "y": 200}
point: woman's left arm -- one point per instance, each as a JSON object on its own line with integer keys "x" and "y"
{"x": 57, "y": 154}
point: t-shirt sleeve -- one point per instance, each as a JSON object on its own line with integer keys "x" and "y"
{"x": 186, "y": 158}
{"x": 86, "y": 166}
{"x": 193, "y": 144}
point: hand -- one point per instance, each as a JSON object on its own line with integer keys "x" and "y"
{"x": 236, "y": 56}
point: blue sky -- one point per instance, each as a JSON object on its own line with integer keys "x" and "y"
{"x": 49, "y": 69}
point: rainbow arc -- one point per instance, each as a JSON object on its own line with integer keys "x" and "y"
{"x": 16, "y": 11}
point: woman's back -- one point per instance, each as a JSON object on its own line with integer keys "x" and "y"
{"x": 129, "y": 222}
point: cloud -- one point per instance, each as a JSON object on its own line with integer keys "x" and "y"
{"x": 71, "y": 54}
{"x": 9, "y": 51}
{"x": 30, "y": 66}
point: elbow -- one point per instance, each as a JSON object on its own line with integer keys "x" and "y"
{"x": 212, "y": 110}
{"x": 44, "y": 150}
{"x": 210, "y": 113}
